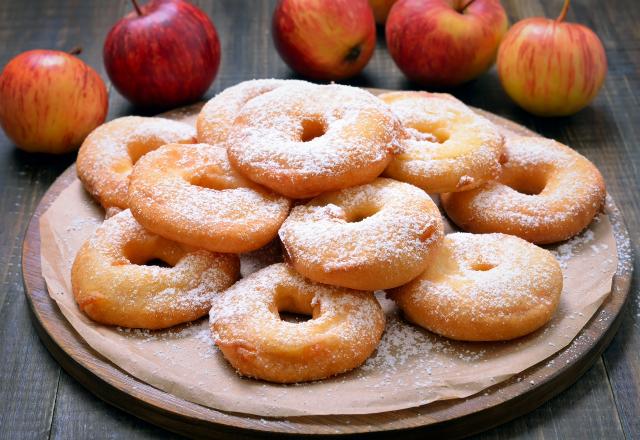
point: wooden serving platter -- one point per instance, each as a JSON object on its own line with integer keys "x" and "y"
{"x": 453, "y": 418}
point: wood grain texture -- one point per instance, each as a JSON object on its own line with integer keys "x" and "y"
{"x": 29, "y": 377}
{"x": 608, "y": 132}
{"x": 452, "y": 418}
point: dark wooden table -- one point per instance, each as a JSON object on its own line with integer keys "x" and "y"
{"x": 39, "y": 400}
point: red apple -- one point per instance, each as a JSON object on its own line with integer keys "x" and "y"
{"x": 550, "y": 67}
{"x": 324, "y": 39}
{"x": 50, "y": 101}
{"x": 381, "y": 9}
{"x": 445, "y": 42}
{"x": 163, "y": 54}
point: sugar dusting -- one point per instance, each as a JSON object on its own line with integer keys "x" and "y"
{"x": 217, "y": 115}
{"x": 107, "y": 155}
{"x": 267, "y": 132}
{"x": 170, "y": 342}
{"x": 484, "y": 284}
{"x": 403, "y": 229}
{"x": 152, "y": 291}
{"x": 568, "y": 250}
{"x": 471, "y": 145}
{"x": 573, "y": 186}
{"x": 247, "y": 309}
{"x": 164, "y": 194}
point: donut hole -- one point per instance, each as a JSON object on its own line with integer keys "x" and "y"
{"x": 156, "y": 262}
{"x": 137, "y": 149}
{"x": 293, "y": 306}
{"x": 312, "y": 128}
{"x": 529, "y": 183}
{"x": 482, "y": 267}
{"x": 430, "y": 132}
{"x": 361, "y": 213}
{"x": 294, "y": 318}
{"x": 152, "y": 252}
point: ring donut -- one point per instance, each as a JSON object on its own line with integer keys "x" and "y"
{"x": 304, "y": 139}
{"x": 374, "y": 236}
{"x": 344, "y": 329}
{"x": 448, "y": 147}
{"x": 546, "y": 193}
{"x": 112, "y": 284}
{"x": 108, "y": 154}
{"x": 190, "y": 194}
{"x": 483, "y": 287}
{"x": 217, "y": 115}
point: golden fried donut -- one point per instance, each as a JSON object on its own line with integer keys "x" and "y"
{"x": 546, "y": 193}
{"x": 304, "y": 139}
{"x": 218, "y": 113}
{"x": 107, "y": 155}
{"x": 447, "y": 148}
{"x": 344, "y": 329}
{"x": 485, "y": 287}
{"x": 112, "y": 284}
{"x": 374, "y": 236}
{"x": 190, "y": 194}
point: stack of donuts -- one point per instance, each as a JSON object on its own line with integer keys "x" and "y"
{"x": 340, "y": 179}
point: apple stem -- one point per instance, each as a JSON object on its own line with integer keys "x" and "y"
{"x": 75, "y": 51}
{"x": 136, "y": 6}
{"x": 466, "y": 6}
{"x": 563, "y": 13}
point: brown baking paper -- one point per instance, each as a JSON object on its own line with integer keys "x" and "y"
{"x": 410, "y": 368}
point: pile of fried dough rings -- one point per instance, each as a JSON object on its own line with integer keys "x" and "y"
{"x": 339, "y": 178}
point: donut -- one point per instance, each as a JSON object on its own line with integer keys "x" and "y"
{"x": 483, "y": 287}
{"x": 217, "y": 115}
{"x": 113, "y": 282}
{"x": 546, "y": 193}
{"x": 190, "y": 194}
{"x": 304, "y": 139}
{"x": 370, "y": 237}
{"x": 447, "y": 147}
{"x": 107, "y": 155}
{"x": 344, "y": 329}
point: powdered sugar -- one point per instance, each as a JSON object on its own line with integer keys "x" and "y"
{"x": 448, "y": 147}
{"x": 359, "y": 133}
{"x": 111, "y": 263}
{"x": 568, "y": 193}
{"x": 217, "y": 115}
{"x": 566, "y": 251}
{"x": 107, "y": 155}
{"x": 485, "y": 286}
{"x": 401, "y": 226}
{"x": 249, "y": 306}
{"x": 191, "y": 194}
{"x": 345, "y": 328}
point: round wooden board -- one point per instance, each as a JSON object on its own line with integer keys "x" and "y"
{"x": 453, "y": 418}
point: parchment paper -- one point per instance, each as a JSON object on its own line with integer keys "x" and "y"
{"x": 410, "y": 368}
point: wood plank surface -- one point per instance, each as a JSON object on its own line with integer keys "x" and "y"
{"x": 37, "y": 400}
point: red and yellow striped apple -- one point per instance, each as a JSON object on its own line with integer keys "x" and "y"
{"x": 550, "y": 67}
{"x": 324, "y": 39}
{"x": 163, "y": 54}
{"x": 50, "y": 101}
{"x": 445, "y": 42}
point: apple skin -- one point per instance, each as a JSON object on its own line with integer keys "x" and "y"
{"x": 324, "y": 39}
{"x": 165, "y": 57}
{"x": 436, "y": 45}
{"x": 381, "y": 9}
{"x": 50, "y": 101}
{"x": 551, "y": 68}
